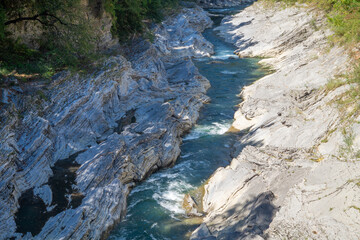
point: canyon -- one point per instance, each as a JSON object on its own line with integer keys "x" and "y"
{"x": 73, "y": 149}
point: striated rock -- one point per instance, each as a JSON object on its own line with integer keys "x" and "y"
{"x": 291, "y": 177}
{"x": 77, "y": 148}
{"x": 242, "y": 199}
{"x": 185, "y": 41}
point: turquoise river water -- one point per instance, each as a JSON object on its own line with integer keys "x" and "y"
{"x": 155, "y": 206}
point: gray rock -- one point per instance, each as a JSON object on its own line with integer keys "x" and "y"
{"x": 104, "y": 131}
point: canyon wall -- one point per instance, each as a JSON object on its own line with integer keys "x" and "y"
{"x": 72, "y": 150}
{"x": 295, "y": 173}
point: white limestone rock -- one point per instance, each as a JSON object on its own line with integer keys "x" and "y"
{"x": 291, "y": 180}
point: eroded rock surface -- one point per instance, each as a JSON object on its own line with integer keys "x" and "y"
{"x": 290, "y": 178}
{"x": 110, "y": 129}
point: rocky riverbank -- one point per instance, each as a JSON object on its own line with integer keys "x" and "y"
{"x": 72, "y": 151}
{"x": 295, "y": 174}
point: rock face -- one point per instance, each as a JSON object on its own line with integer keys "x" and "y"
{"x": 70, "y": 154}
{"x": 294, "y": 175}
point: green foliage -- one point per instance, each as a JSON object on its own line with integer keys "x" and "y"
{"x": 66, "y": 40}
{"x": 18, "y": 57}
{"x": 50, "y": 11}
{"x": 2, "y": 22}
{"x": 343, "y": 16}
{"x": 130, "y": 16}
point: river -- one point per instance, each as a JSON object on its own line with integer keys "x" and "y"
{"x": 155, "y": 206}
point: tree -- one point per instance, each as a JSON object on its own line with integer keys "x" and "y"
{"x": 130, "y": 15}
{"x": 46, "y": 12}
{"x": 65, "y": 39}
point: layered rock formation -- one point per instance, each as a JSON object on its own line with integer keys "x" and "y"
{"x": 71, "y": 152}
{"x": 295, "y": 174}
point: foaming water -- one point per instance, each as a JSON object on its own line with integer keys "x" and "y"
{"x": 155, "y": 205}
{"x": 219, "y": 10}
{"x": 171, "y": 198}
{"x": 208, "y": 130}
{"x": 233, "y": 72}
{"x": 224, "y": 56}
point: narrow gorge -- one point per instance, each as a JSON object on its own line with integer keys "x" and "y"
{"x": 226, "y": 122}
{"x": 156, "y": 208}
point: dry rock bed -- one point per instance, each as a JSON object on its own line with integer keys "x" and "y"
{"x": 295, "y": 174}
{"x": 70, "y": 154}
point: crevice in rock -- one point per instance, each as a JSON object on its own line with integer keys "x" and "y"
{"x": 126, "y": 120}
{"x": 33, "y": 212}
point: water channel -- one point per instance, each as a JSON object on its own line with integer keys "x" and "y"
{"x": 155, "y": 206}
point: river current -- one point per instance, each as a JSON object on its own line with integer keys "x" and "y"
{"x": 155, "y": 206}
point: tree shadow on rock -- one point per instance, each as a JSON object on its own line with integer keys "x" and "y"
{"x": 245, "y": 220}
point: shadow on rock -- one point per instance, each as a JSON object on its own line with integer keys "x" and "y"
{"x": 245, "y": 221}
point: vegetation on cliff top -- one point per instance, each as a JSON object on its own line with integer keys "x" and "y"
{"x": 66, "y": 39}
{"x": 343, "y": 16}
{"x": 344, "y": 19}
{"x": 129, "y": 16}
